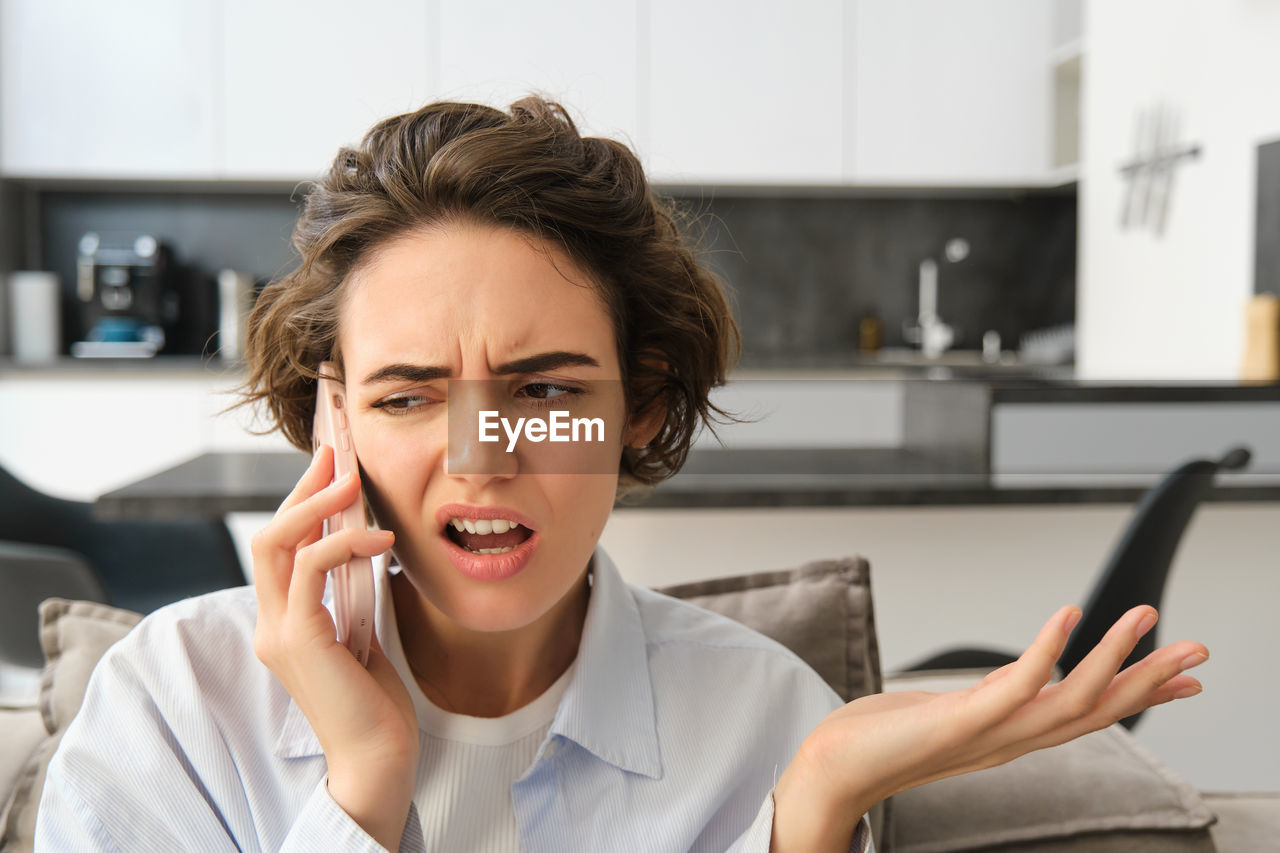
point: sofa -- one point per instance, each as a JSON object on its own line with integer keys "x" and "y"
{"x": 1100, "y": 793}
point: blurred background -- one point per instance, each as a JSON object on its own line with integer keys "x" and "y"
{"x": 1011, "y": 261}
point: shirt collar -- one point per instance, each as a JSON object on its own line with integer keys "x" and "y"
{"x": 608, "y": 706}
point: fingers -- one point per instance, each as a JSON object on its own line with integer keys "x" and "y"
{"x": 300, "y": 522}
{"x": 1156, "y": 679}
{"x": 314, "y": 562}
{"x": 996, "y": 674}
{"x": 297, "y": 524}
{"x": 1078, "y": 695}
{"x": 1093, "y": 674}
{"x": 1081, "y": 694}
{"x": 1178, "y": 687}
{"x": 1009, "y": 688}
{"x": 318, "y": 474}
{"x": 1096, "y": 694}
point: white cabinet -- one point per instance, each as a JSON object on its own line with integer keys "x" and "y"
{"x": 580, "y": 52}
{"x": 745, "y": 92}
{"x": 79, "y": 433}
{"x": 118, "y": 89}
{"x": 296, "y": 82}
{"x": 748, "y": 92}
{"x": 949, "y": 93}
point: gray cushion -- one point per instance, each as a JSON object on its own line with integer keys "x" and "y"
{"x": 74, "y": 634}
{"x": 821, "y": 611}
{"x": 1102, "y": 793}
{"x": 23, "y": 733}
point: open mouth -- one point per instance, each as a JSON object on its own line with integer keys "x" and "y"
{"x": 487, "y": 536}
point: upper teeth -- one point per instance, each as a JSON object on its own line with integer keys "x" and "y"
{"x": 483, "y": 526}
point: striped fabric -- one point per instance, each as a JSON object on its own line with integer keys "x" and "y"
{"x": 670, "y": 734}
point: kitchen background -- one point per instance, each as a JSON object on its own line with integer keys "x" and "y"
{"x": 1113, "y": 167}
{"x": 805, "y": 272}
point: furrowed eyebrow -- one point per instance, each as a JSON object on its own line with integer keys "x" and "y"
{"x": 531, "y": 364}
{"x": 410, "y": 372}
{"x": 546, "y": 361}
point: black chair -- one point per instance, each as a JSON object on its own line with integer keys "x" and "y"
{"x": 28, "y": 575}
{"x": 141, "y": 565}
{"x": 1135, "y": 574}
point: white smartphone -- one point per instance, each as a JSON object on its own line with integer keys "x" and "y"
{"x": 353, "y": 581}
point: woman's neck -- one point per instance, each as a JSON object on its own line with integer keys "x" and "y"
{"x": 486, "y": 673}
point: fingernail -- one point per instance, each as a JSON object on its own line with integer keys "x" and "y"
{"x": 1194, "y": 659}
{"x": 1187, "y": 692}
{"x": 1073, "y": 619}
{"x": 1148, "y": 622}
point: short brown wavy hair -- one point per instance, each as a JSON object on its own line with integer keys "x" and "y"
{"x": 527, "y": 169}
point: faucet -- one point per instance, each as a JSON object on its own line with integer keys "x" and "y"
{"x": 933, "y": 335}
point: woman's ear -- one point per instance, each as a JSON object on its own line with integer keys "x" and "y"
{"x": 645, "y": 420}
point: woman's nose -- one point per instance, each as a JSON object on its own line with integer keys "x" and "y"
{"x": 478, "y": 450}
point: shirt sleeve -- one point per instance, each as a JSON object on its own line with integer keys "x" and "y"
{"x": 758, "y": 836}
{"x": 323, "y": 825}
{"x": 67, "y": 821}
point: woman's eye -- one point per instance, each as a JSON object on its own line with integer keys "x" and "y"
{"x": 401, "y": 405}
{"x": 546, "y": 391}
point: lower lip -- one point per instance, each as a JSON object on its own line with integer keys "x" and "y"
{"x": 491, "y": 567}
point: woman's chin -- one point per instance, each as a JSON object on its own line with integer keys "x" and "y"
{"x": 495, "y": 606}
{"x": 485, "y": 607}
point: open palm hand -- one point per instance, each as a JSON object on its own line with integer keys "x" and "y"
{"x": 885, "y": 743}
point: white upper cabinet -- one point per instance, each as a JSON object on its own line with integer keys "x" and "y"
{"x": 297, "y": 81}
{"x": 579, "y": 52}
{"x": 950, "y": 93}
{"x": 111, "y": 89}
{"x": 745, "y": 91}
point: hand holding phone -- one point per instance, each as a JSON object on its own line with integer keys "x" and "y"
{"x": 353, "y": 581}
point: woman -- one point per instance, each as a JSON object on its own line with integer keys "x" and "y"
{"x": 519, "y": 695}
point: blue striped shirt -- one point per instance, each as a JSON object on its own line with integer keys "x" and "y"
{"x": 669, "y": 737}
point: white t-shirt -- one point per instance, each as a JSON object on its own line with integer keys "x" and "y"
{"x": 468, "y": 764}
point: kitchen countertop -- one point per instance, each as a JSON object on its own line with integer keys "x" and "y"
{"x": 1076, "y": 391}
{"x": 215, "y": 484}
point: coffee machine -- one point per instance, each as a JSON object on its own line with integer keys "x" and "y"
{"x": 137, "y": 301}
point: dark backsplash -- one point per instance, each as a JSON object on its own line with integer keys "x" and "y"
{"x": 209, "y": 231}
{"x": 803, "y": 270}
{"x": 248, "y": 232}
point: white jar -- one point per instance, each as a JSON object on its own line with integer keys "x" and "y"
{"x": 35, "y": 314}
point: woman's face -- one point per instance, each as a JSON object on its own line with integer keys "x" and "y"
{"x": 522, "y": 327}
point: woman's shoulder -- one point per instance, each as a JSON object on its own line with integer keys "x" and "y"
{"x": 219, "y": 620}
{"x": 204, "y": 644}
